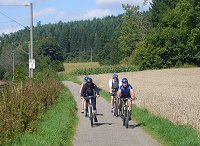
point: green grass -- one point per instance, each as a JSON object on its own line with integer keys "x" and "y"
{"x": 104, "y": 69}
{"x": 69, "y": 77}
{"x": 105, "y": 95}
{"x": 56, "y": 127}
{"x": 165, "y": 131}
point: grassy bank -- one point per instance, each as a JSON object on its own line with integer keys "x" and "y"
{"x": 56, "y": 126}
{"x": 165, "y": 131}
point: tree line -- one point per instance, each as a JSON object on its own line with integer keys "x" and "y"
{"x": 167, "y": 35}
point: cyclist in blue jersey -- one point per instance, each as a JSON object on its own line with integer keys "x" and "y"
{"x": 126, "y": 91}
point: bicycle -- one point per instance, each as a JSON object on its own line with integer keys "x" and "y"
{"x": 125, "y": 113}
{"x": 88, "y": 110}
{"x": 115, "y": 104}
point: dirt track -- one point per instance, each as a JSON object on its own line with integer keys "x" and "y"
{"x": 170, "y": 93}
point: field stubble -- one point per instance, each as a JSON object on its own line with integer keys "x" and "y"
{"x": 169, "y": 93}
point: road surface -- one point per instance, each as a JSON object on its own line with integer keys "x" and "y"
{"x": 108, "y": 131}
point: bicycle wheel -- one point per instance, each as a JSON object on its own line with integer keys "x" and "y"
{"x": 116, "y": 109}
{"x": 123, "y": 120}
{"x": 127, "y": 118}
{"x": 123, "y": 116}
{"x": 85, "y": 109}
{"x": 91, "y": 116}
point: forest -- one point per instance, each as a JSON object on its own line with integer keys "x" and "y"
{"x": 165, "y": 36}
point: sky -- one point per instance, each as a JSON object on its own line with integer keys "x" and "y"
{"x": 14, "y": 15}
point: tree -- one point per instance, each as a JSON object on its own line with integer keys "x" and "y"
{"x": 129, "y": 30}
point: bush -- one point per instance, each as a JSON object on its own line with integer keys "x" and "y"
{"x": 20, "y": 104}
{"x": 104, "y": 69}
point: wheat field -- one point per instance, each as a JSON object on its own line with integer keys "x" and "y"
{"x": 170, "y": 93}
{"x": 73, "y": 66}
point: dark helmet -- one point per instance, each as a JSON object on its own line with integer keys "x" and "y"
{"x": 86, "y": 78}
{"x": 89, "y": 80}
{"x": 124, "y": 80}
{"x": 115, "y": 76}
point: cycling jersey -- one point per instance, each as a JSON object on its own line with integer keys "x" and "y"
{"x": 89, "y": 90}
{"x": 114, "y": 85}
{"x": 126, "y": 91}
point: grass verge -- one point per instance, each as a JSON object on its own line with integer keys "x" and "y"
{"x": 68, "y": 77}
{"x": 165, "y": 131}
{"x": 56, "y": 127}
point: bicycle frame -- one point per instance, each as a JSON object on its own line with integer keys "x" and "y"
{"x": 90, "y": 108}
{"x": 115, "y": 104}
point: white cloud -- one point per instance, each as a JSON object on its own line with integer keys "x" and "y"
{"x": 9, "y": 28}
{"x": 45, "y": 11}
{"x": 13, "y": 2}
{"x": 117, "y": 4}
{"x": 98, "y": 13}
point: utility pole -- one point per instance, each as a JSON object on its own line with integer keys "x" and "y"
{"x": 13, "y": 64}
{"x": 31, "y": 38}
{"x": 91, "y": 55}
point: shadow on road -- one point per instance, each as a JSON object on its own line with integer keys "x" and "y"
{"x": 99, "y": 124}
{"x": 137, "y": 125}
{"x": 99, "y": 114}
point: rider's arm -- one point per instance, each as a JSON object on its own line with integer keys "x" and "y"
{"x": 96, "y": 89}
{"x": 81, "y": 88}
{"x": 119, "y": 93}
{"x": 132, "y": 94}
{"x": 110, "y": 85}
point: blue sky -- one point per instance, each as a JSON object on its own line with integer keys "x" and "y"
{"x": 53, "y": 11}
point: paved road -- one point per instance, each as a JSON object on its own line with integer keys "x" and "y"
{"x": 109, "y": 130}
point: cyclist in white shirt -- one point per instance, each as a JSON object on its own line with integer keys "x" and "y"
{"x": 114, "y": 85}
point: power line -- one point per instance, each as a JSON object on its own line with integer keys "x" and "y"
{"x": 6, "y": 21}
{"x": 12, "y": 19}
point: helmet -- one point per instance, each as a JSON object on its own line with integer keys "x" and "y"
{"x": 124, "y": 80}
{"x": 115, "y": 76}
{"x": 86, "y": 78}
{"x": 89, "y": 80}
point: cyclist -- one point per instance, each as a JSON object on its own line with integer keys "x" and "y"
{"x": 114, "y": 85}
{"x": 82, "y": 104}
{"x": 126, "y": 91}
{"x": 90, "y": 89}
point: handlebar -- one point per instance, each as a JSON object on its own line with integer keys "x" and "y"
{"x": 113, "y": 93}
{"x": 89, "y": 97}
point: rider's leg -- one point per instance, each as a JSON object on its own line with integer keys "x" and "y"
{"x": 82, "y": 106}
{"x": 120, "y": 106}
{"x": 130, "y": 107}
{"x": 129, "y": 104}
{"x": 112, "y": 102}
{"x": 94, "y": 109}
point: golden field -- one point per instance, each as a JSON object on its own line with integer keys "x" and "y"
{"x": 73, "y": 66}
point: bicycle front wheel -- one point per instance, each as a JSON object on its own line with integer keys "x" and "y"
{"x": 127, "y": 119}
{"x": 91, "y": 116}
